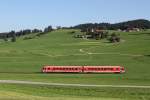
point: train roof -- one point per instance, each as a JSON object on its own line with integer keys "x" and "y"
{"x": 62, "y": 66}
{"x": 83, "y": 66}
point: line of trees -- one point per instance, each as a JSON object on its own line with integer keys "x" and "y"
{"x": 14, "y": 34}
{"x": 140, "y": 23}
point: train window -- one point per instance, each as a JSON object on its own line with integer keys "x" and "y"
{"x": 108, "y": 68}
{"x": 111, "y": 68}
{"x": 55, "y": 68}
{"x": 48, "y": 68}
{"x": 117, "y": 68}
{"x": 76, "y": 69}
{"x": 89, "y": 68}
{"x": 70, "y": 68}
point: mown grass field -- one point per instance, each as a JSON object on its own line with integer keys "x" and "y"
{"x": 24, "y": 59}
{"x": 39, "y": 92}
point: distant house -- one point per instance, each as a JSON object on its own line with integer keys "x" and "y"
{"x": 96, "y": 33}
{"x": 132, "y": 30}
{"x": 136, "y": 29}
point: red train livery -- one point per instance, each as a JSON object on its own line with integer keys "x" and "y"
{"x": 83, "y": 69}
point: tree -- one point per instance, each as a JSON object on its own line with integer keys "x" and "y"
{"x": 58, "y": 27}
{"x": 13, "y": 35}
{"x": 114, "y": 38}
{"x": 5, "y": 38}
{"x": 26, "y": 31}
{"x": 48, "y": 29}
{"x": 139, "y": 23}
{"x": 36, "y": 31}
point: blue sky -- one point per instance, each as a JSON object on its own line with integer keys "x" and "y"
{"x": 22, "y": 14}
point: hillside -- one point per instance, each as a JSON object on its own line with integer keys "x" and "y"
{"x": 23, "y": 60}
{"x": 139, "y": 23}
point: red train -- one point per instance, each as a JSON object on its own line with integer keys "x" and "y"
{"x": 83, "y": 69}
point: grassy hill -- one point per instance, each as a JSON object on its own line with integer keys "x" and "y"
{"x": 24, "y": 59}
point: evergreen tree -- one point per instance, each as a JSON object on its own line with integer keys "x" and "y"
{"x": 13, "y": 35}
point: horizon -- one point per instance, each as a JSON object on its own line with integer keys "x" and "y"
{"x": 30, "y": 14}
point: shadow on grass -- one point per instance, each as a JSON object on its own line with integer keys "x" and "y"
{"x": 20, "y": 72}
{"x": 53, "y": 73}
{"x": 108, "y": 42}
{"x": 147, "y": 55}
{"x": 139, "y": 34}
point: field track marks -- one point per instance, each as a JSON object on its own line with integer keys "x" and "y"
{"x": 121, "y": 54}
{"x": 75, "y": 85}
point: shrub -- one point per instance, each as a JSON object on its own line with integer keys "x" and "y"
{"x": 114, "y": 38}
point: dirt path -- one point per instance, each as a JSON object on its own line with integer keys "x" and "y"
{"x": 75, "y": 85}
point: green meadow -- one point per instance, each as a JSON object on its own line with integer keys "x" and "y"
{"x": 24, "y": 59}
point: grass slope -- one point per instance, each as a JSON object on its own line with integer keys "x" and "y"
{"x": 30, "y": 92}
{"x": 24, "y": 59}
